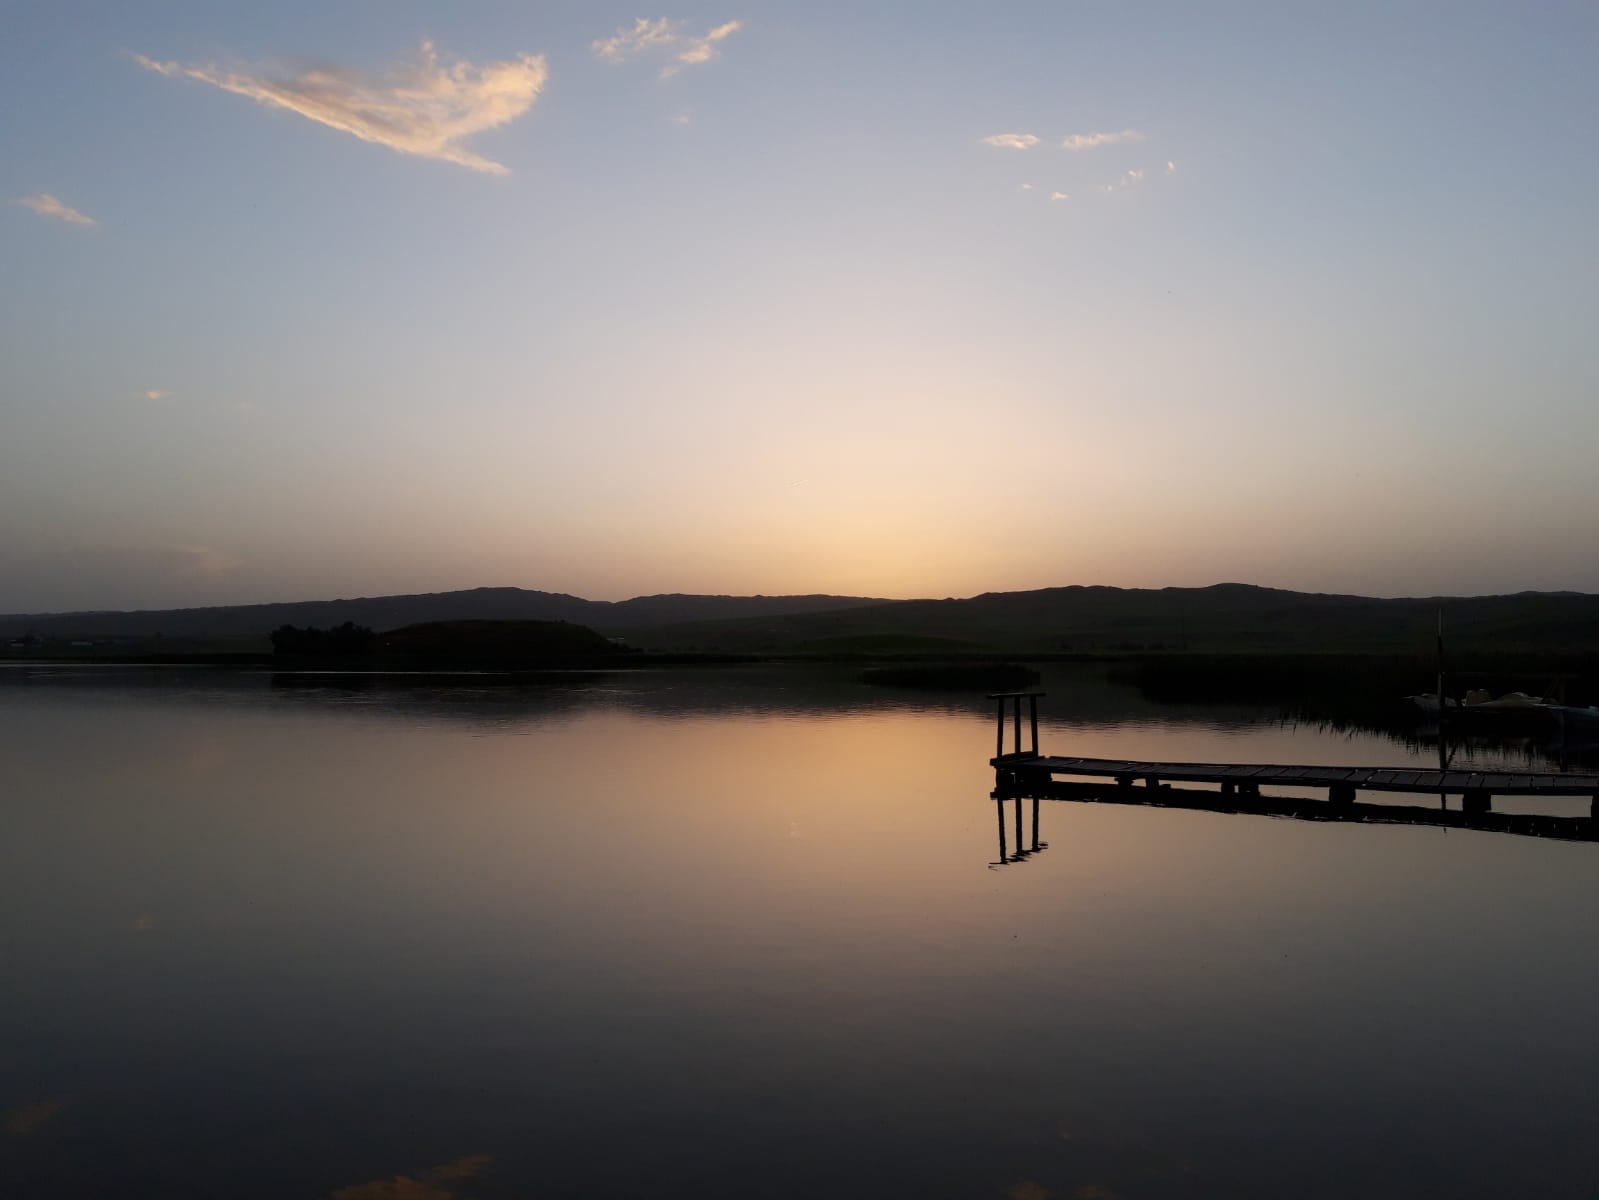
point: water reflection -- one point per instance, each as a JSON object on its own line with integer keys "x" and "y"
{"x": 717, "y": 933}
{"x": 25, "y": 1120}
{"x": 435, "y": 1183}
{"x": 1301, "y": 808}
{"x": 1022, "y": 851}
{"x": 1551, "y": 746}
{"x": 1078, "y": 694}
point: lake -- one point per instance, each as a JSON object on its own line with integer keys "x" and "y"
{"x": 741, "y": 933}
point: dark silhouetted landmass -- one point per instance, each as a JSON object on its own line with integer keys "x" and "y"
{"x": 1227, "y": 618}
{"x": 500, "y": 643}
{"x": 393, "y": 612}
{"x": 342, "y": 641}
{"x": 447, "y": 646}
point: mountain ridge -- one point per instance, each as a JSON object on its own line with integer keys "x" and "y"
{"x": 393, "y": 611}
{"x": 1070, "y": 618}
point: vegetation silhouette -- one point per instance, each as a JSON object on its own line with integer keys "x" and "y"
{"x": 348, "y": 640}
{"x": 499, "y": 643}
{"x": 450, "y": 645}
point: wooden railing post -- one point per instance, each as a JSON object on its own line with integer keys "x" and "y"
{"x": 1014, "y": 715}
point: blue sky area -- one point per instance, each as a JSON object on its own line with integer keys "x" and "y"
{"x": 307, "y": 300}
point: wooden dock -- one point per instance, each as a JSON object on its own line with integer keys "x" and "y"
{"x": 1023, "y": 770}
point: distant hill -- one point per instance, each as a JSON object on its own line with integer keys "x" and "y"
{"x": 1224, "y": 618}
{"x": 392, "y": 612}
{"x": 1227, "y": 617}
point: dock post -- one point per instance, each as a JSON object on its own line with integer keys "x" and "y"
{"x": 1035, "y": 822}
{"x": 1013, "y": 718}
{"x": 1018, "y": 811}
{"x": 999, "y": 807}
{"x": 1593, "y": 808}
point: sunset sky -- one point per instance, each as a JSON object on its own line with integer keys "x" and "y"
{"x": 900, "y": 299}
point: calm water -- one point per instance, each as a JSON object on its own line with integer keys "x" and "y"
{"x": 737, "y": 934}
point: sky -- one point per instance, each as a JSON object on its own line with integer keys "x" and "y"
{"x": 306, "y": 300}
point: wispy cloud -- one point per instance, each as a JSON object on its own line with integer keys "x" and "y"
{"x": 421, "y": 107}
{"x": 664, "y": 36}
{"x": 1171, "y": 167}
{"x": 630, "y": 43}
{"x": 1092, "y": 141}
{"x": 1128, "y": 179}
{"x": 47, "y": 205}
{"x": 156, "y": 394}
{"x": 1059, "y": 196}
{"x": 1011, "y": 141}
{"x": 1027, "y": 187}
{"x": 697, "y": 50}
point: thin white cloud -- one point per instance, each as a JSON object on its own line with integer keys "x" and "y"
{"x": 1059, "y": 196}
{"x": 666, "y": 36}
{"x": 420, "y": 107}
{"x": 681, "y": 119}
{"x": 697, "y": 50}
{"x": 156, "y": 394}
{"x": 1171, "y": 168}
{"x": 1011, "y": 141}
{"x": 47, "y": 205}
{"x": 1128, "y": 179}
{"x": 630, "y": 43}
{"x": 1092, "y": 141}
{"x": 1027, "y": 187}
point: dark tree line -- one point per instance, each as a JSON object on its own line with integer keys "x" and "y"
{"x": 342, "y": 641}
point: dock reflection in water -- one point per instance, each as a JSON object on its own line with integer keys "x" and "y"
{"x": 1300, "y": 808}
{"x": 1023, "y": 851}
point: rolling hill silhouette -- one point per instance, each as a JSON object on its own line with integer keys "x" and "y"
{"x": 392, "y": 612}
{"x": 1226, "y": 617}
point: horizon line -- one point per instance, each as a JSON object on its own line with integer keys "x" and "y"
{"x": 865, "y": 600}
